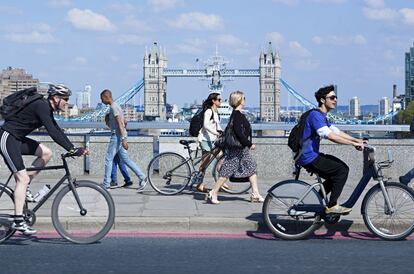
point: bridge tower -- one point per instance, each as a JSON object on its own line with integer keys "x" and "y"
{"x": 155, "y": 84}
{"x": 270, "y": 72}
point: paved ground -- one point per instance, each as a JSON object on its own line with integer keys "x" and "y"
{"x": 205, "y": 255}
{"x": 149, "y": 211}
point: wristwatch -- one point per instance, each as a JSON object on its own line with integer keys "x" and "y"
{"x": 123, "y": 138}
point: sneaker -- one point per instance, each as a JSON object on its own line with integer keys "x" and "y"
{"x": 105, "y": 186}
{"x": 113, "y": 183}
{"x": 23, "y": 228}
{"x": 337, "y": 209}
{"x": 403, "y": 180}
{"x": 142, "y": 184}
{"x": 128, "y": 184}
{"x": 29, "y": 196}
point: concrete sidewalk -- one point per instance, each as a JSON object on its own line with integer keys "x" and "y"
{"x": 150, "y": 211}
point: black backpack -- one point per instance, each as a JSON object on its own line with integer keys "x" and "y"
{"x": 296, "y": 134}
{"x": 196, "y": 123}
{"x": 17, "y": 101}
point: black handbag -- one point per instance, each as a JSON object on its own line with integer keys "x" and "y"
{"x": 230, "y": 138}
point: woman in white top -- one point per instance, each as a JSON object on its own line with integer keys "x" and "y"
{"x": 210, "y": 131}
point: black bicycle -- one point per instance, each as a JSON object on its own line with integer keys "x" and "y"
{"x": 169, "y": 173}
{"x": 293, "y": 209}
{"x": 82, "y": 211}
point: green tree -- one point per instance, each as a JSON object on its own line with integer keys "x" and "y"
{"x": 406, "y": 116}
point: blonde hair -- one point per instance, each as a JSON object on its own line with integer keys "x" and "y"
{"x": 236, "y": 98}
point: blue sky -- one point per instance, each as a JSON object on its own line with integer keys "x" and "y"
{"x": 358, "y": 45}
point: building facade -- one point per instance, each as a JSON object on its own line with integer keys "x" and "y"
{"x": 83, "y": 98}
{"x": 155, "y": 84}
{"x": 384, "y": 106}
{"x": 409, "y": 75}
{"x": 14, "y": 79}
{"x": 270, "y": 72}
{"x": 354, "y": 107}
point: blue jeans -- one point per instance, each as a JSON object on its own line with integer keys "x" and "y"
{"x": 405, "y": 179}
{"x": 117, "y": 162}
{"x": 115, "y": 147}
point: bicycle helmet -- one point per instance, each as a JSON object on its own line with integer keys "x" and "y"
{"x": 59, "y": 90}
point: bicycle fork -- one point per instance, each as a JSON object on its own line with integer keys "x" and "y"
{"x": 389, "y": 209}
{"x": 72, "y": 186}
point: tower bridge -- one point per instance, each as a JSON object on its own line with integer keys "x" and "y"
{"x": 215, "y": 70}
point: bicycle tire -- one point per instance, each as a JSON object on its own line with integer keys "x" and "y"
{"x": 389, "y": 226}
{"x": 6, "y": 208}
{"x": 284, "y": 225}
{"x": 169, "y": 173}
{"x": 90, "y": 227}
{"x": 234, "y": 187}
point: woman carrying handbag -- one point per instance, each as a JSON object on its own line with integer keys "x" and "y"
{"x": 238, "y": 161}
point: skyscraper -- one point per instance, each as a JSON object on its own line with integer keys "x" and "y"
{"x": 83, "y": 98}
{"x": 409, "y": 75}
{"x": 384, "y": 106}
{"x": 354, "y": 107}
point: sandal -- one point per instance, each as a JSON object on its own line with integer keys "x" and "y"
{"x": 201, "y": 188}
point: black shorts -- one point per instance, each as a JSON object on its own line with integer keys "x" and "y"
{"x": 12, "y": 150}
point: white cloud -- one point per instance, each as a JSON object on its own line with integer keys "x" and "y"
{"x": 161, "y": 5}
{"x": 297, "y": 49}
{"x": 276, "y": 38}
{"x": 193, "y": 46}
{"x": 296, "y": 2}
{"x": 34, "y": 37}
{"x": 136, "y": 25}
{"x": 408, "y": 16}
{"x": 122, "y": 7}
{"x": 80, "y": 60}
{"x": 60, "y": 3}
{"x": 89, "y": 20}
{"x": 228, "y": 39}
{"x": 317, "y": 40}
{"x": 131, "y": 39}
{"x": 306, "y": 64}
{"x": 340, "y": 40}
{"x": 9, "y": 10}
{"x": 197, "y": 21}
{"x": 383, "y": 14}
{"x": 375, "y": 4}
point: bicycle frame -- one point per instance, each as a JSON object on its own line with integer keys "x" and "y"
{"x": 373, "y": 170}
{"x": 65, "y": 177}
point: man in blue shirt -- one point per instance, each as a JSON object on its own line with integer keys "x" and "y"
{"x": 333, "y": 170}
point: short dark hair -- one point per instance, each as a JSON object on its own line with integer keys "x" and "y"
{"x": 106, "y": 92}
{"x": 322, "y": 92}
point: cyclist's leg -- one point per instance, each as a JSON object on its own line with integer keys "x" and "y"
{"x": 11, "y": 151}
{"x": 42, "y": 152}
{"x": 334, "y": 171}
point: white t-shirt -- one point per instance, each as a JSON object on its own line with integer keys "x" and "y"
{"x": 115, "y": 110}
{"x": 209, "y": 131}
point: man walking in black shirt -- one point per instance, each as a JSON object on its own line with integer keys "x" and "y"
{"x": 14, "y": 144}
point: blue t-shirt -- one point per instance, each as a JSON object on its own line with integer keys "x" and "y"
{"x": 314, "y": 121}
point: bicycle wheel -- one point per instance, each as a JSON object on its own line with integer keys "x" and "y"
{"x": 233, "y": 187}
{"x": 169, "y": 173}
{"x": 6, "y": 212}
{"x": 284, "y": 222}
{"x": 90, "y": 225}
{"x": 388, "y": 225}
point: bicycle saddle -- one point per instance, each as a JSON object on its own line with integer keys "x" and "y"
{"x": 187, "y": 142}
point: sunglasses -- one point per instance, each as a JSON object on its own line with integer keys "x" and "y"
{"x": 333, "y": 97}
{"x": 65, "y": 98}
{"x": 218, "y": 99}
